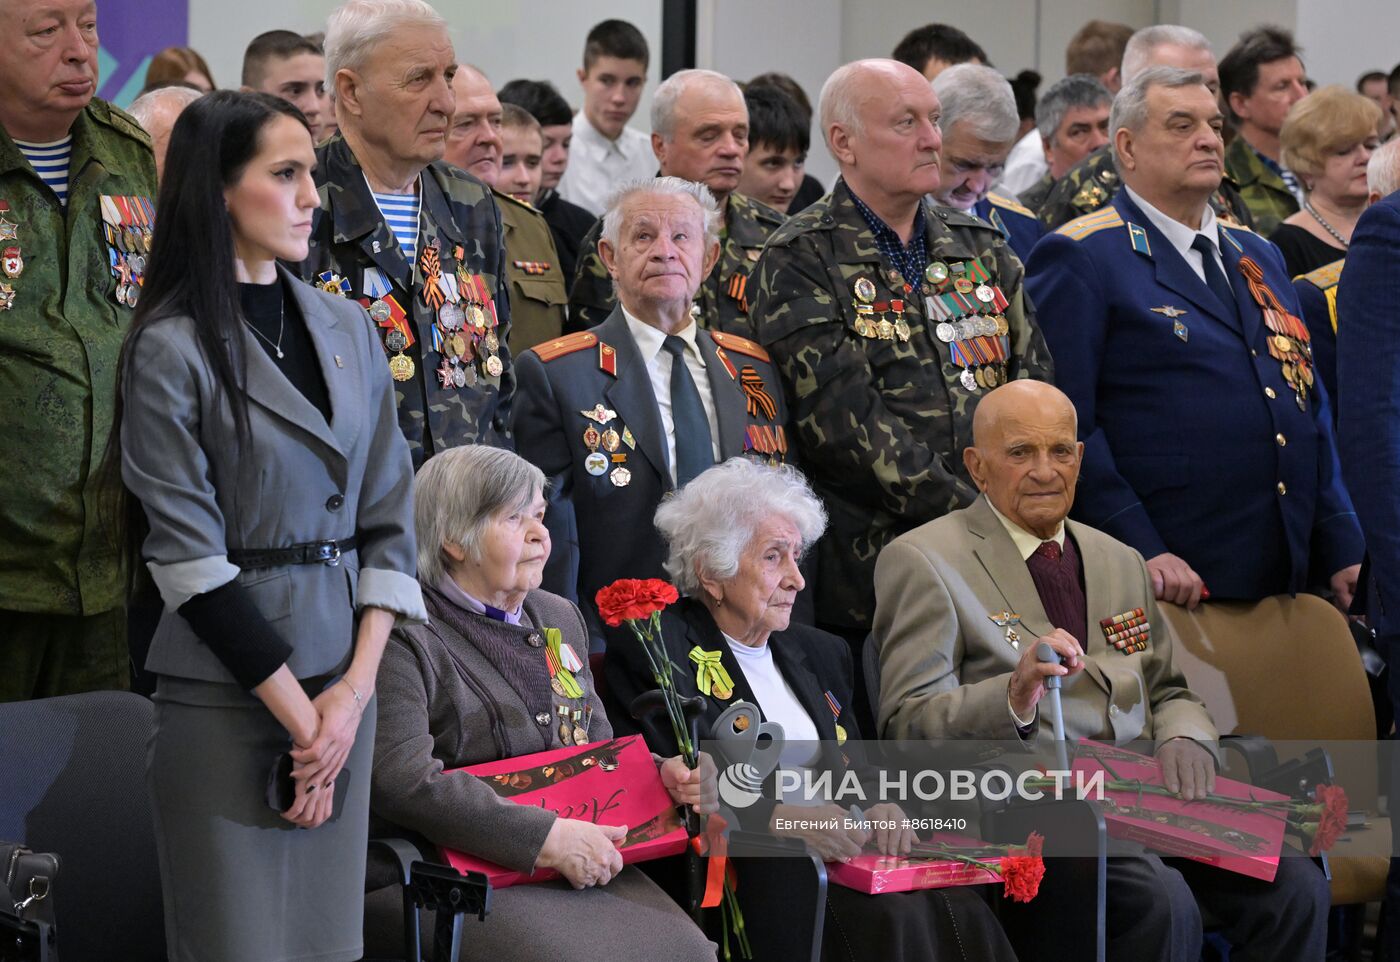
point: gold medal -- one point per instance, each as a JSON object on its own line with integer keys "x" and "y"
{"x": 7, "y": 297}
{"x": 886, "y": 330}
{"x": 611, "y": 440}
{"x": 459, "y": 345}
{"x": 936, "y": 272}
{"x": 864, "y": 290}
{"x": 591, "y": 438}
{"x": 901, "y": 328}
{"x": 963, "y": 285}
{"x": 741, "y": 723}
{"x": 862, "y": 328}
{"x": 401, "y": 367}
{"x": 494, "y": 367}
{"x": 556, "y": 686}
{"x": 492, "y": 343}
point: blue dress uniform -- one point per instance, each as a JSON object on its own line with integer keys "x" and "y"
{"x": 1195, "y": 441}
{"x": 1017, "y": 223}
{"x": 1317, "y": 295}
{"x": 587, "y": 416}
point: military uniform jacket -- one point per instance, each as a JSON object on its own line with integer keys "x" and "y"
{"x": 945, "y": 662}
{"x": 61, "y": 331}
{"x": 1317, "y": 296}
{"x": 1034, "y": 196}
{"x": 538, "y": 292}
{"x": 880, "y": 424}
{"x": 604, "y": 490}
{"x": 1090, "y": 184}
{"x": 1194, "y": 441}
{"x": 1269, "y": 200}
{"x": 354, "y": 252}
{"x": 724, "y": 297}
{"x": 1016, "y": 223}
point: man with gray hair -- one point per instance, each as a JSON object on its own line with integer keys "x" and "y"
{"x": 887, "y": 318}
{"x": 157, "y": 110}
{"x": 1091, "y": 184}
{"x": 412, "y": 238}
{"x": 1071, "y": 122}
{"x": 621, "y": 414}
{"x": 1153, "y": 305}
{"x": 979, "y": 124}
{"x": 700, "y": 133}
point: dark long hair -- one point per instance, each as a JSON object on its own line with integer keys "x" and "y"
{"x": 190, "y": 271}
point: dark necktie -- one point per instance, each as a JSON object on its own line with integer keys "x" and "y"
{"x": 1215, "y": 277}
{"x": 694, "y": 451}
{"x": 1056, "y": 576}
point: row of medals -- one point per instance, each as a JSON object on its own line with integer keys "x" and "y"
{"x": 131, "y": 245}
{"x": 573, "y": 722}
{"x": 979, "y": 325}
{"x": 609, "y": 440}
{"x": 453, "y": 321}
{"x": 12, "y": 263}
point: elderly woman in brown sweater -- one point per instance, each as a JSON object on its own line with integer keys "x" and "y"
{"x": 474, "y": 686}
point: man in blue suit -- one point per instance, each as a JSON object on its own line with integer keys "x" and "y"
{"x": 1368, "y": 357}
{"x": 1208, "y": 439}
{"x": 979, "y": 123}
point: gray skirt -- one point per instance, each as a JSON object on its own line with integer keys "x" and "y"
{"x": 239, "y": 882}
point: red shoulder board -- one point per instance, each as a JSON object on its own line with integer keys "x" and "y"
{"x": 740, "y": 345}
{"x": 569, "y": 344}
{"x": 607, "y": 358}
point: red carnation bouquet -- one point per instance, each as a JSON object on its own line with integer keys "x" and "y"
{"x": 639, "y": 603}
{"x": 1021, "y": 867}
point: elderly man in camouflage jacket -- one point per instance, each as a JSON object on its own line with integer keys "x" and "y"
{"x": 414, "y": 240}
{"x": 77, "y": 182}
{"x": 700, "y": 133}
{"x": 888, "y": 319}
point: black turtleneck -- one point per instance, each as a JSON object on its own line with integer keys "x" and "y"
{"x": 263, "y": 306}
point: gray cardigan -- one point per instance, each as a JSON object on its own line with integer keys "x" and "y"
{"x": 444, "y": 703}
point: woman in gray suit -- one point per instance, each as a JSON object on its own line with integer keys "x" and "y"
{"x": 257, "y": 432}
{"x": 476, "y": 684}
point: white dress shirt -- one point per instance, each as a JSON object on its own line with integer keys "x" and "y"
{"x": 658, "y": 361}
{"x": 779, "y": 704}
{"x": 598, "y": 166}
{"x": 1025, "y": 165}
{"x": 1180, "y": 236}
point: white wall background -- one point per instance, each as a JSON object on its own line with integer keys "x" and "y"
{"x": 543, "y": 39}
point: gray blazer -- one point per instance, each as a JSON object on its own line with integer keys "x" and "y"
{"x": 301, "y": 480}
{"x": 945, "y": 665}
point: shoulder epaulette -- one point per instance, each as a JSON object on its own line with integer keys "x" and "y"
{"x": 568, "y": 344}
{"x": 739, "y": 345}
{"x": 1326, "y": 276}
{"x": 1007, "y": 203}
{"x": 762, "y": 211}
{"x": 957, "y": 217}
{"x": 1082, "y": 227}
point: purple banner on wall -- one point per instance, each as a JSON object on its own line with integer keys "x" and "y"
{"x": 132, "y": 32}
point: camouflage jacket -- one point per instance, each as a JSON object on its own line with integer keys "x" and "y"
{"x": 538, "y": 290}
{"x": 724, "y": 297}
{"x": 1036, "y": 194}
{"x": 1269, "y": 200}
{"x": 354, "y": 252}
{"x": 61, "y": 331}
{"x": 881, "y": 423}
{"x": 1090, "y": 184}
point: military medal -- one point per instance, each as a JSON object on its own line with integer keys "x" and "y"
{"x": 379, "y": 312}
{"x": 451, "y": 316}
{"x": 401, "y": 367}
{"x": 494, "y": 367}
{"x": 12, "y": 262}
{"x": 591, "y": 438}
{"x": 968, "y": 379}
{"x": 444, "y": 374}
{"x": 580, "y": 732}
{"x": 1290, "y": 343}
{"x": 596, "y": 464}
{"x": 565, "y": 729}
{"x": 936, "y": 272}
{"x": 864, "y": 290}
{"x": 1008, "y": 620}
{"x": 396, "y": 341}
{"x": 600, "y": 414}
{"x": 7, "y": 297}
{"x": 1128, "y": 632}
{"x": 621, "y": 477}
{"x": 331, "y": 283}
{"x": 945, "y": 332}
{"x": 8, "y": 229}
{"x": 835, "y": 707}
{"x": 556, "y": 686}
{"x": 492, "y": 343}
{"x": 611, "y": 440}
{"x": 711, "y": 677}
{"x": 461, "y": 375}
{"x": 963, "y": 286}
{"x": 984, "y": 294}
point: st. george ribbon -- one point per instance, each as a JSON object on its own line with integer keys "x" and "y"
{"x": 1044, "y": 653}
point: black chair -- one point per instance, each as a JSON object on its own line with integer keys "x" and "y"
{"x": 73, "y": 782}
{"x": 421, "y": 886}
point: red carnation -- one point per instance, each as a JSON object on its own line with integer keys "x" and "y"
{"x": 629, "y": 599}
{"x": 1021, "y": 875}
{"x": 1333, "y": 799}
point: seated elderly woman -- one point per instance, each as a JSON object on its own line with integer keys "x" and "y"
{"x": 735, "y": 536}
{"x": 474, "y": 685}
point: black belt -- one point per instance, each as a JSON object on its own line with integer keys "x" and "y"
{"x": 310, "y": 553}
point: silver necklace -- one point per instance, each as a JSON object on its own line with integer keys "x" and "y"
{"x": 281, "y": 329}
{"x": 1307, "y": 206}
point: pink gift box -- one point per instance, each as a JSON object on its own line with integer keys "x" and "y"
{"x": 1247, "y": 842}
{"x": 878, "y": 874}
{"x": 608, "y": 783}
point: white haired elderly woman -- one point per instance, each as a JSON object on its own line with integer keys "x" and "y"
{"x": 412, "y": 238}
{"x": 736, "y": 535}
{"x": 473, "y": 686}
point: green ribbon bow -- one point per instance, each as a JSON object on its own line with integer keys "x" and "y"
{"x": 710, "y": 676}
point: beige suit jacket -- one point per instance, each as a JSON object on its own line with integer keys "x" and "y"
{"x": 945, "y": 664}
